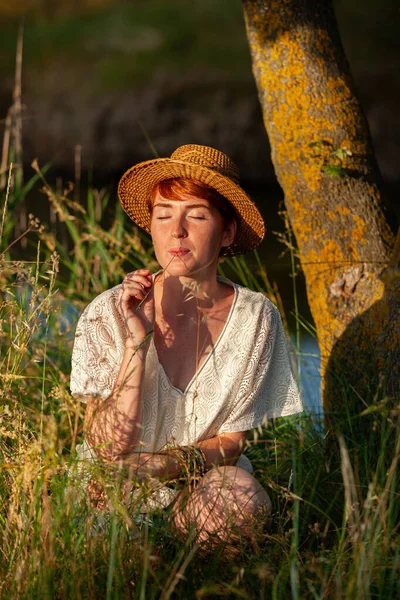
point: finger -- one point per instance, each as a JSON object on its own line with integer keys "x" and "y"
{"x": 132, "y": 288}
{"x": 138, "y": 278}
{"x": 132, "y": 292}
{"x": 148, "y": 298}
{"x": 140, "y": 281}
{"x": 143, "y": 272}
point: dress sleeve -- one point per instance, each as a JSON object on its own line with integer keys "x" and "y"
{"x": 268, "y": 388}
{"x": 96, "y": 354}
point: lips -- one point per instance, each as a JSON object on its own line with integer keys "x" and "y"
{"x": 179, "y": 251}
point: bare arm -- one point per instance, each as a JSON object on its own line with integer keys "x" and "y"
{"x": 113, "y": 425}
{"x": 222, "y": 449}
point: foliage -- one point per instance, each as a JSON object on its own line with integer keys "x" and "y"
{"x": 114, "y": 42}
{"x": 330, "y": 161}
{"x": 127, "y": 42}
{"x": 334, "y": 528}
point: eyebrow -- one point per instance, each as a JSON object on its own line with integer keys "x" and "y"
{"x": 169, "y": 205}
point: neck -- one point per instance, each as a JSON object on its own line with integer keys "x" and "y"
{"x": 185, "y": 294}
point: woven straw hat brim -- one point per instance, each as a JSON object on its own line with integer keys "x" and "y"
{"x": 137, "y": 183}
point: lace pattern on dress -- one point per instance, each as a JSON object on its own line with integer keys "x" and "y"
{"x": 246, "y": 379}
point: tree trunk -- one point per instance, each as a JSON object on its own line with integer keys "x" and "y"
{"x": 324, "y": 161}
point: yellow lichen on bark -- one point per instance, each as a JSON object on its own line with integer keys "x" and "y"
{"x": 322, "y": 269}
{"x": 343, "y": 210}
{"x": 321, "y": 151}
{"x": 360, "y": 229}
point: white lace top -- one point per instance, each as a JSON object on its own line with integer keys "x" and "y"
{"x": 246, "y": 379}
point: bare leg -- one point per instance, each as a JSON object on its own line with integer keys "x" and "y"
{"x": 223, "y": 508}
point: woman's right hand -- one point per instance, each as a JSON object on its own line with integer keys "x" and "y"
{"x": 136, "y": 304}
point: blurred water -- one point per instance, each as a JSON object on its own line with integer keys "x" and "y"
{"x": 61, "y": 330}
{"x": 309, "y": 361}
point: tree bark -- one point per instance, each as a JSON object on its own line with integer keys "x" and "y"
{"x": 323, "y": 158}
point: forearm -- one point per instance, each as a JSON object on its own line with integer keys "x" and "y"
{"x": 113, "y": 426}
{"x": 141, "y": 465}
{"x": 223, "y": 449}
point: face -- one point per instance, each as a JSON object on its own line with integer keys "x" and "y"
{"x": 188, "y": 235}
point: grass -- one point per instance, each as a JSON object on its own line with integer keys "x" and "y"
{"x": 334, "y": 532}
{"x": 122, "y": 44}
{"x": 130, "y": 41}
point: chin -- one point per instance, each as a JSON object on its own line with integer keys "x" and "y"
{"x": 178, "y": 270}
{"x": 188, "y": 267}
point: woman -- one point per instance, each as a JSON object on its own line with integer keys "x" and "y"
{"x": 178, "y": 366}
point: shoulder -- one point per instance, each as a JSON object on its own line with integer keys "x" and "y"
{"x": 256, "y": 316}
{"x": 104, "y": 300}
{"x": 102, "y": 307}
{"x": 255, "y": 302}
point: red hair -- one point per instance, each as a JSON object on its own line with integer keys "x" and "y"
{"x": 180, "y": 188}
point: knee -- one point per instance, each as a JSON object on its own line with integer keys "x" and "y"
{"x": 226, "y": 495}
{"x": 241, "y": 490}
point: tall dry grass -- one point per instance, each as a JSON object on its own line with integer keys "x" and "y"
{"x": 334, "y": 531}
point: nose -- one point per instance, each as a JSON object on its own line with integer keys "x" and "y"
{"x": 178, "y": 228}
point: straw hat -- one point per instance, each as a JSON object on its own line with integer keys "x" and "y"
{"x": 201, "y": 164}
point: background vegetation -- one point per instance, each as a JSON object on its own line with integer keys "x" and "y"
{"x": 93, "y": 69}
{"x": 142, "y": 36}
{"x": 334, "y": 531}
